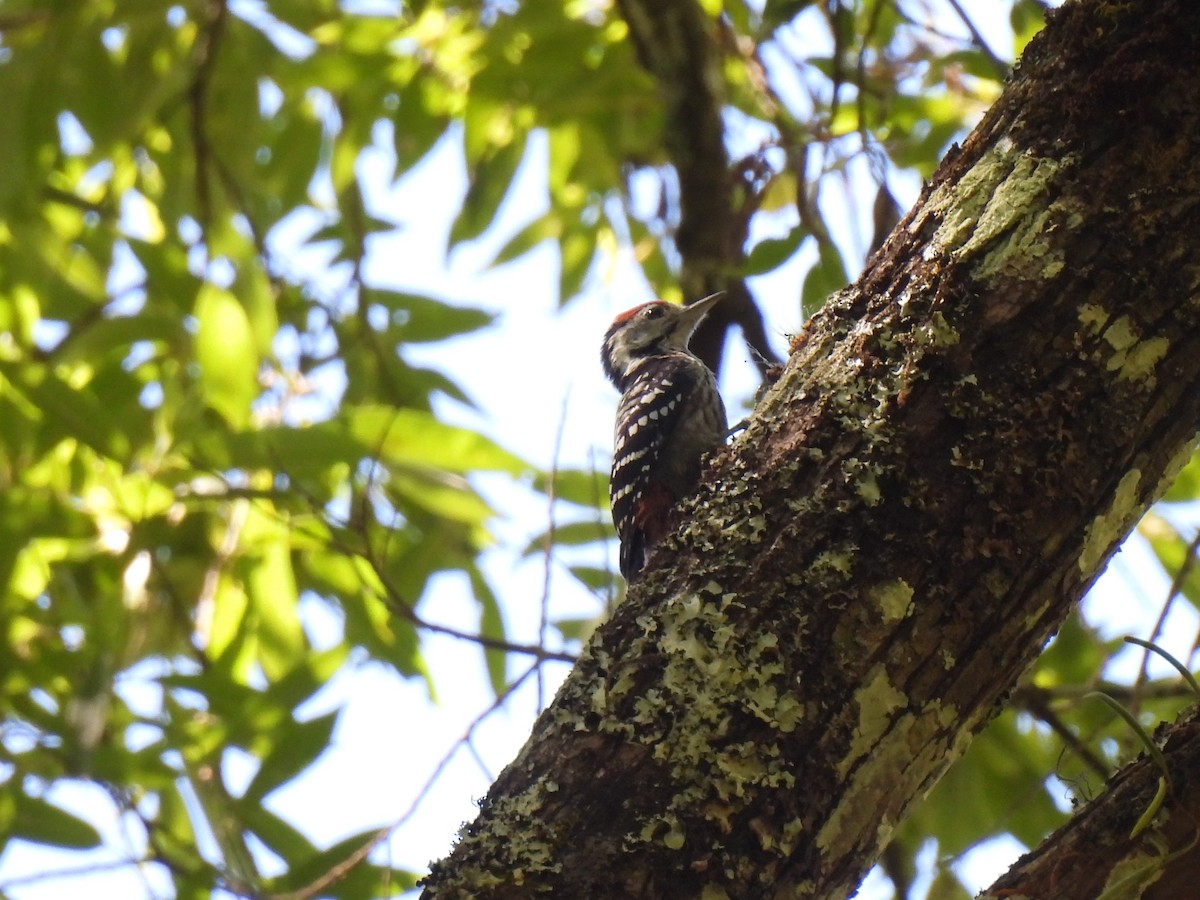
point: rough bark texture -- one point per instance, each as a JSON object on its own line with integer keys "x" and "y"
{"x": 1095, "y": 855}
{"x": 957, "y": 445}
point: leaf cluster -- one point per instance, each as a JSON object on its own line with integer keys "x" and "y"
{"x": 213, "y": 432}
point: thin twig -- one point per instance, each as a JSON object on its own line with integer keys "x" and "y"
{"x": 207, "y": 41}
{"x": 393, "y": 602}
{"x": 345, "y": 866}
{"x": 71, "y": 872}
{"x": 548, "y": 557}
{"x": 996, "y": 62}
{"x": 1181, "y": 577}
{"x": 1035, "y": 701}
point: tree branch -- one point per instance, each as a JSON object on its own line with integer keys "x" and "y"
{"x": 1094, "y": 854}
{"x": 677, "y": 43}
{"x": 957, "y": 446}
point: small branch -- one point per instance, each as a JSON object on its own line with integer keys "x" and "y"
{"x": 1177, "y": 583}
{"x": 676, "y": 42}
{"x": 398, "y": 606}
{"x": 344, "y": 868}
{"x": 204, "y": 55}
{"x": 548, "y": 558}
{"x": 20, "y": 881}
{"x": 1036, "y": 702}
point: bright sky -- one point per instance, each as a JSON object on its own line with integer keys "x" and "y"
{"x": 535, "y": 365}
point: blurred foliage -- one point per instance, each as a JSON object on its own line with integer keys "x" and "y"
{"x": 198, "y": 439}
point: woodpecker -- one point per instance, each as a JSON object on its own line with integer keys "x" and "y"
{"x": 669, "y": 416}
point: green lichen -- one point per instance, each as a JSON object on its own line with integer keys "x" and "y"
{"x": 1141, "y": 360}
{"x": 1181, "y": 458}
{"x": 840, "y": 561}
{"x": 893, "y": 598}
{"x": 1108, "y": 527}
{"x": 1121, "y": 335}
{"x": 936, "y": 333}
{"x": 997, "y": 213}
{"x": 707, "y": 674}
{"x": 877, "y": 700}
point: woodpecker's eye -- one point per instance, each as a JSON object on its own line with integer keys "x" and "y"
{"x": 652, "y": 312}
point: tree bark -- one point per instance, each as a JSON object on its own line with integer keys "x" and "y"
{"x": 1097, "y": 853}
{"x": 958, "y": 443}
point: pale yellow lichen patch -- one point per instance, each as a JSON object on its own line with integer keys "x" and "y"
{"x": 1107, "y": 528}
{"x": 835, "y": 560}
{"x": 877, "y": 699}
{"x": 893, "y": 598}
{"x": 997, "y": 582}
{"x": 946, "y": 714}
{"x": 756, "y": 528}
{"x": 963, "y": 202}
{"x": 788, "y": 713}
{"x": 936, "y": 333}
{"x": 1020, "y": 191}
{"x": 1141, "y": 360}
{"x": 1181, "y": 458}
{"x": 792, "y": 829}
{"x": 883, "y": 834}
{"x": 1121, "y": 335}
{"x": 997, "y": 214}
{"x": 865, "y": 790}
{"x": 867, "y": 487}
{"x": 713, "y": 892}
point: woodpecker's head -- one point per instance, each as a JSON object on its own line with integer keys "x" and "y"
{"x": 649, "y": 330}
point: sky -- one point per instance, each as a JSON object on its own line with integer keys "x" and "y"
{"x": 536, "y": 376}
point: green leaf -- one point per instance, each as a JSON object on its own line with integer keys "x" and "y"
{"x": 825, "y": 277}
{"x": 271, "y": 587}
{"x": 597, "y": 578}
{"x": 445, "y": 495}
{"x": 280, "y": 836}
{"x": 576, "y": 629}
{"x": 69, "y": 411}
{"x": 773, "y": 252}
{"x": 34, "y": 819}
{"x": 491, "y": 625}
{"x": 361, "y": 878}
{"x": 295, "y": 747}
{"x": 998, "y": 785}
{"x": 1186, "y": 486}
{"x": 413, "y": 437}
{"x": 545, "y": 227}
{"x": 1075, "y": 656}
{"x": 489, "y": 180}
{"x": 585, "y": 487}
{"x": 1172, "y": 550}
{"x": 225, "y": 351}
{"x": 419, "y": 319}
{"x": 569, "y": 534}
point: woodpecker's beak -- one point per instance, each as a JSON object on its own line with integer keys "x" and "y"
{"x": 693, "y": 314}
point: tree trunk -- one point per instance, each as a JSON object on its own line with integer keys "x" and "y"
{"x": 957, "y": 445}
